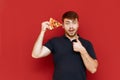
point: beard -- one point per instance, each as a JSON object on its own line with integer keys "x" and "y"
{"x": 70, "y": 34}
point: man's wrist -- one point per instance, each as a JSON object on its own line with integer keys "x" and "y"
{"x": 82, "y": 50}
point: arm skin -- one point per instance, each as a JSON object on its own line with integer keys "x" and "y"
{"x": 39, "y": 50}
{"x": 90, "y": 63}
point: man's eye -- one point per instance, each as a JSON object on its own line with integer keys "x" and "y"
{"x": 67, "y": 23}
{"x": 74, "y": 22}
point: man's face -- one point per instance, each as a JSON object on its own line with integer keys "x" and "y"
{"x": 71, "y": 27}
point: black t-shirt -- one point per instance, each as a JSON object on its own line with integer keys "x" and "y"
{"x": 68, "y": 63}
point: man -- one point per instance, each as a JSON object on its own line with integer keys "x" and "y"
{"x": 72, "y": 54}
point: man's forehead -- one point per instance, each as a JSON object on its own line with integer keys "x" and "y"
{"x": 70, "y": 20}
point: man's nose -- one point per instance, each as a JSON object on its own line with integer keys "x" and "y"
{"x": 71, "y": 25}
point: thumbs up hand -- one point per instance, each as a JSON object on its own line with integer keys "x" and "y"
{"x": 77, "y": 46}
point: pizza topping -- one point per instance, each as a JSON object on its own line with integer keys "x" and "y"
{"x": 54, "y": 23}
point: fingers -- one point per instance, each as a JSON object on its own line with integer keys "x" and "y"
{"x": 45, "y": 25}
{"x": 77, "y": 40}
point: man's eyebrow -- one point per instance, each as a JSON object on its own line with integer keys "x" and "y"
{"x": 68, "y": 21}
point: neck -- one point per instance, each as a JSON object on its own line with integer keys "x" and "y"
{"x": 71, "y": 38}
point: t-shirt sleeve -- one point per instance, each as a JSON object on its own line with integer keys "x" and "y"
{"x": 49, "y": 45}
{"x": 90, "y": 50}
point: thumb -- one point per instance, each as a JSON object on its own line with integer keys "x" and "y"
{"x": 77, "y": 40}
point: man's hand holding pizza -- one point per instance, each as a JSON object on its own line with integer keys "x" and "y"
{"x": 50, "y": 25}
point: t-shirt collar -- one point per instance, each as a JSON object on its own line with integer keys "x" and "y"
{"x": 69, "y": 39}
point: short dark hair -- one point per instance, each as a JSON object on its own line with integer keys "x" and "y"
{"x": 70, "y": 15}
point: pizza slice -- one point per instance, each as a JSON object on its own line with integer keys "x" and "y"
{"x": 54, "y": 23}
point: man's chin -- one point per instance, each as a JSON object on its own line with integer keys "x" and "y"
{"x": 71, "y": 35}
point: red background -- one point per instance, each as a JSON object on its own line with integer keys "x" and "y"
{"x": 20, "y": 26}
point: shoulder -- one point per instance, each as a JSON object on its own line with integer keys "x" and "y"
{"x": 85, "y": 42}
{"x": 57, "y": 38}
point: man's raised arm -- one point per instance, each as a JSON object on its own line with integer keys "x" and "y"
{"x": 38, "y": 49}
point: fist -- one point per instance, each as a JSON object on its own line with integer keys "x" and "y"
{"x": 45, "y": 25}
{"x": 77, "y": 46}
